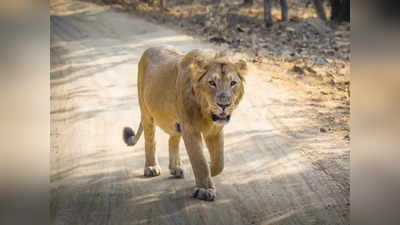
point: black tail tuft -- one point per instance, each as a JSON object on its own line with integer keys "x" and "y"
{"x": 128, "y": 133}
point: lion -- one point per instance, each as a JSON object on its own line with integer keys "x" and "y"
{"x": 189, "y": 96}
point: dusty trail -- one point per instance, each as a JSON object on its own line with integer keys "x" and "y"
{"x": 279, "y": 168}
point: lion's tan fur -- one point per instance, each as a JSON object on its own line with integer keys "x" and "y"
{"x": 171, "y": 91}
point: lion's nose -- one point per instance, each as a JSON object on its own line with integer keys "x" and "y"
{"x": 223, "y": 106}
{"x": 223, "y": 95}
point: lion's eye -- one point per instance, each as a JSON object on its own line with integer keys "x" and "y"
{"x": 233, "y": 83}
{"x": 212, "y": 83}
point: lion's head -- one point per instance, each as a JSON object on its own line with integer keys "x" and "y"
{"x": 218, "y": 84}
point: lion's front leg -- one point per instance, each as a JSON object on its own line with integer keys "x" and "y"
{"x": 215, "y": 145}
{"x": 205, "y": 188}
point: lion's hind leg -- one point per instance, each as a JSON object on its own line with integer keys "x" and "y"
{"x": 152, "y": 167}
{"x": 174, "y": 157}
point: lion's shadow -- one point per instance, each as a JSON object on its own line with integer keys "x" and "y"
{"x": 260, "y": 185}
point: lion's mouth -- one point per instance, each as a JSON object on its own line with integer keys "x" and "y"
{"x": 220, "y": 117}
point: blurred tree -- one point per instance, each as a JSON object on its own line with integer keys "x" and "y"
{"x": 150, "y": 2}
{"x": 284, "y": 10}
{"x": 340, "y": 10}
{"x": 267, "y": 12}
{"x": 163, "y": 5}
{"x": 248, "y": 3}
{"x": 320, "y": 9}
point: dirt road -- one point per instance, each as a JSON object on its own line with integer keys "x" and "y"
{"x": 280, "y": 169}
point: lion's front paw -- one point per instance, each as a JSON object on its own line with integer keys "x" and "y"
{"x": 152, "y": 171}
{"x": 207, "y": 194}
{"x": 177, "y": 172}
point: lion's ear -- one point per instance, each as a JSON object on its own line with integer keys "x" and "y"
{"x": 241, "y": 67}
{"x": 195, "y": 60}
{"x": 199, "y": 63}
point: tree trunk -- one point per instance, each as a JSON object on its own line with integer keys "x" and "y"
{"x": 248, "y": 3}
{"x": 340, "y": 10}
{"x": 346, "y": 11}
{"x": 335, "y": 5}
{"x": 320, "y": 9}
{"x": 163, "y": 5}
{"x": 284, "y": 10}
{"x": 267, "y": 13}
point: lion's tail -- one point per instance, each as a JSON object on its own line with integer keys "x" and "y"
{"x": 129, "y": 136}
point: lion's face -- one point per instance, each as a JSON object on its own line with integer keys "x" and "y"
{"x": 220, "y": 86}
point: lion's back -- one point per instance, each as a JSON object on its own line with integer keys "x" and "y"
{"x": 157, "y": 83}
{"x": 156, "y": 56}
{"x": 157, "y": 62}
